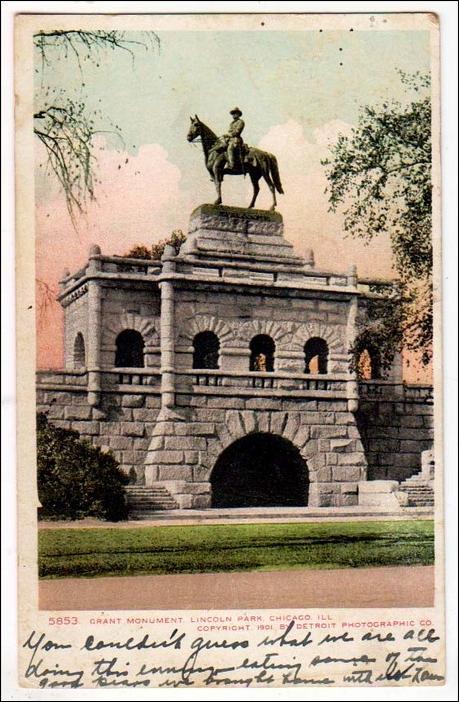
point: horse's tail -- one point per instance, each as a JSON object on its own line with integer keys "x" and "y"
{"x": 274, "y": 172}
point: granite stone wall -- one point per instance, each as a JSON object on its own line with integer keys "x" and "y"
{"x": 237, "y": 317}
{"x": 130, "y": 308}
{"x": 75, "y": 321}
{"x": 324, "y": 432}
{"x": 123, "y": 423}
{"x": 383, "y": 440}
{"x": 394, "y": 434}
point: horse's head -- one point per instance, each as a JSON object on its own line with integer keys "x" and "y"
{"x": 195, "y": 128}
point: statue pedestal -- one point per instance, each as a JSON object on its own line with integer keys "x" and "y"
{"x": 238, "y": 234}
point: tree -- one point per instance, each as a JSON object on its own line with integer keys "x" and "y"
{"x": 380, "y": 177}
{"x": 154, "y": 253}
{"x": 76, "y": 479}
{"x": 63, "y": 124}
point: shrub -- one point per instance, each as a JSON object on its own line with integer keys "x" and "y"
{"x": 154, "y": 253}
{"x": 76, "y": 479}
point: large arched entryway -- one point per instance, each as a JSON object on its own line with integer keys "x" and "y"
{"x": 260, "y": 470}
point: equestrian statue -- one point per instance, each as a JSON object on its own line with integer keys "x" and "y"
{"x": 229, "y": 155}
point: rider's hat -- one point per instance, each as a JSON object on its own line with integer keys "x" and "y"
{"x": 236, "y": 111}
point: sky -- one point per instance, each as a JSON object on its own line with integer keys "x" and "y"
{"x": 297, "y": 91}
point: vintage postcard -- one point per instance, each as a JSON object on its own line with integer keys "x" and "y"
{"x": 229, "y": 371}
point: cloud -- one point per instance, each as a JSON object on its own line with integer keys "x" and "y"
{"x": 305, "y": 208}
{"x": 138, "y": 201}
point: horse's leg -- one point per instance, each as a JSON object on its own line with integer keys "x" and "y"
{"x": 254, "y": 177}
{"x": 218, "y": 177}
{"x": 218, "y": 187}
{"x": 270, "y": 184}
{"x": 210, "y": 164}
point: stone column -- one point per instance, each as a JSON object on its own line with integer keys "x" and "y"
{"x": 351, "y": 333}
{"x": 167, "y": 331}
{"x": 94, "y": 328}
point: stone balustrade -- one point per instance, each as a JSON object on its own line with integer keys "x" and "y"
{"x": 422, "y": 393}
{"x": 255, "y": 382}
{"x": 109, "y": 266}
{"x": 387, "y": 389}
{"x": 250, "y": 382}
{"x": 147, "y": 377}
{"x": 62, "y": 379}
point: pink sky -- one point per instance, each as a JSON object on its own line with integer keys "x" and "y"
{"x": 143, "y": 201}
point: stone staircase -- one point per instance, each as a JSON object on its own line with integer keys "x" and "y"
{"x": 144, "y": 500}
{"x": 420, "y": 491}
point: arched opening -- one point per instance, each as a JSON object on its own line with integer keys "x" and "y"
{"x": 368, "y": 364}
{"x": 129, "y": 349}
{"x": 316, "y": 356}
{"x": 79, "y": 352}
{"x": 206, "y": 348}
{"x": 262, "y": 349}
{"x": 260, "y": 470}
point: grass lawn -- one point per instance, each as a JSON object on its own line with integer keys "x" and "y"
{"x": 227, "y": 547}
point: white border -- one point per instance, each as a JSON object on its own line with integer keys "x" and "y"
{"x": 447, "y": 12}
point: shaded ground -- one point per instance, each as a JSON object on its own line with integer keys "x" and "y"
{"x": 157, "y": 550}
{"x": 364, "y": 587}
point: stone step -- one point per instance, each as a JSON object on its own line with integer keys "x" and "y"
{"x": 135, "y": 495}
{"x": 145, "y": 504}
{"x": 152, "y": 507}
{"x": 139, "y": 493}
{"x": 145, "y": 488}
{"x": 415, "y": 479}
{"x": 142, "y": 499}
{"x": 420, "y": 492}
{"x": 150, "y": 513}
{"x": 417, "y": 492}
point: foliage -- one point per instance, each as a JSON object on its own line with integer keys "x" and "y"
{"x": 380, "y": 176}
{"x": 397, "y": 317}
{"x": 139, "y": 251}
{"x": 156, "y": 251}
{"x": 45, "y": 296}
{"x": 75, "y": 479}
{"x": 63, "y": 124}
{"x": 233, "y": 547}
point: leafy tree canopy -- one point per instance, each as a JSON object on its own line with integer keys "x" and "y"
{"x": 380, "y": 178}
{"x": 62, "y": 122}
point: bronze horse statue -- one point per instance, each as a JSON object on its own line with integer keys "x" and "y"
{"x": 255, "y": 162}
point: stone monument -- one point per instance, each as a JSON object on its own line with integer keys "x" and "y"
{"x": 220, "y": 376}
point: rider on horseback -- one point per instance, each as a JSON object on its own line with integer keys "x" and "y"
{"x": 232, "y": 141}
{"x": 228, "y": 155}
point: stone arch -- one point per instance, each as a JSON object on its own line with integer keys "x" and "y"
{"x": 331, "y": 334}
{"x": 240, "y": 423}
{"x": 280, "y": 332}
{"x": 79, "y": 352}
{"x": 205, "y": 323}
{"x": 131, "y": 320}
{"x": 260, "y": 469}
